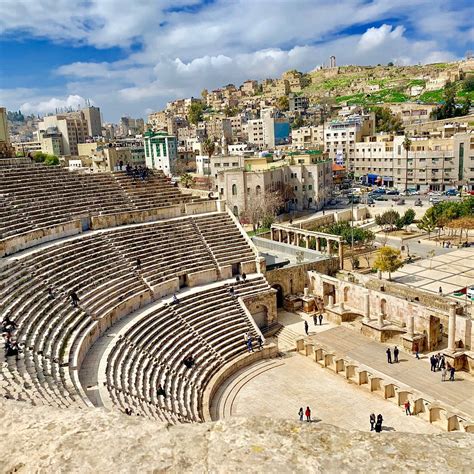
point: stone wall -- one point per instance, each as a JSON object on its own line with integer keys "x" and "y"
{"x": 293, "y": 279}
{"x": 260, "y": 303}
{"x": 20, "y": 242}
{"x": 202, "y": 277}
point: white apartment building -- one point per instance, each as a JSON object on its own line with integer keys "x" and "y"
{"x": 340, "y": 137}
{"x": 431, "y": 164}
{"x": 307, "y": 137}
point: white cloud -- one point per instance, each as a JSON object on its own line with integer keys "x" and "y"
{"x": 211, "y": 44}
{"x": 376, "y": 37}
{"x": 50, "y": 105}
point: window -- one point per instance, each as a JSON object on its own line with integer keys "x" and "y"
{"x": 257, "y": 189}
{"x": 310, "y": 174}
{"x": 296, "y": 188}
{"x": 310, "y": 187}
{"x": 234, "y": 193}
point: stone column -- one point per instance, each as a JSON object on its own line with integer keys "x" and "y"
{"x": 318, "y": 244}
{"x": 280, "y": 238}
{"x": 306, "y": 291}
{"x": 452, "y": 327}
{"x": 330, "y": 301}
{"x": 341, "y": 305}
{"x": 341, "y": 255}
{"x": 329, "y": 246}
{"x": 306, "y": 239}
{"x": 411, "y": 326}
{"x": 367, "y": 307}
{"x": 380, "y": 319}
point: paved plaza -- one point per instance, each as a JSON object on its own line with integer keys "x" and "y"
{"x": 300, "y": 382}
{"x": 410, "y": 371}
{"x": 450, "y": 271}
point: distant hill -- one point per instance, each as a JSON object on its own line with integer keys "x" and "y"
{"x": 368, "y": 85}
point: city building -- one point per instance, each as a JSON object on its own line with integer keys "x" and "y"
{"x": 73, "y": 128}
{"x": 160, "y": 151}
{"x": 305, "y": 181}
{"x": 340, "y": 137}
{"x": 6, "y": 148}
{"x": 94, "y": 121}
{"x": 307, "y": 137}
{"x": 51, "y": 141}
{"x": 297, "y": 103}
{"x": 463, "y": 147}
{"x": 269, "y": 130}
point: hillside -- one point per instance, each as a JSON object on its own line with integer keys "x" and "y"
{"x": 43, "y": 439}
{"x": 366, "y": 85}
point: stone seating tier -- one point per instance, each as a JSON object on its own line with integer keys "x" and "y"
{"x": 209, "y": 325}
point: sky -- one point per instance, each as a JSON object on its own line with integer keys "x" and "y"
{"x": 131, "y": 57}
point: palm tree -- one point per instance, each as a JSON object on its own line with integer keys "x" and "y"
{"x": 406, "y": 146}
{"x": 209, "y": 147}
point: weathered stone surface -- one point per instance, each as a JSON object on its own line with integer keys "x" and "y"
{"x": 43, "y": 439}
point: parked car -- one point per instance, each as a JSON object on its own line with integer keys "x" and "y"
{"x": 434, "y": 193}
{"x": 435, "y": 199}
{"x": 381, "y": 197}
{"x": 451, "y": 192}
{"x": 354, "y": 199}
{"x": 379, "y": 191}
{"x": 370, "y": 201}
{"x": 393, "y": 191}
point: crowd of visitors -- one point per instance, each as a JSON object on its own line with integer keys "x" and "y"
{"x": 376, "y": 423}
{"x": 305, "y": 413}
{"x": 136, "y": 172}
{"x": 249, "y": 341}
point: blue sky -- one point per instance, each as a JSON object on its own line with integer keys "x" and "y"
{"x": 130, "y": 58}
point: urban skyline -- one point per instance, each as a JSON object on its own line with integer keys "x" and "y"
{"x": 136, "y": 60}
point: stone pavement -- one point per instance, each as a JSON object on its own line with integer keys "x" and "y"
{"x": 300, "y": 382}
{"x": 450, "y": 271}
{"x": 410, "y": 371}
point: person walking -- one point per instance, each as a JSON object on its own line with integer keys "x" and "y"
{"x": 260, "y": 342}
{"x": 433, "y": 363}
{"x": 249, "y": 344}
{"x": 308, "y": 414}
{"x": 378, "y": 424}
{"x": 244, "y": 277}
{"x": 395, "y": 354}
{"x": 306, "y": 328}
{"x": 301, "y": 413}
{"x": 389, "y": 355}
{"x": 407, "y": 407}
{"x": 315, "y": 319}
{"x": 160, "y": 392}
{"x": 320, "y": 319}
{"x": 416, "y": 350}
{"x": 372, "y": 421}
{"x": 451, "y": 374}
{"x": 444, "y": 373}
{"x": 74, "y": 298}
{"x": 138, "y": 264}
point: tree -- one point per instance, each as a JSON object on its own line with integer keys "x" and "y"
{"x": 195, "y": 113}
{"x": 204, "y": 94}
{"x": 388, "y": 218}
{"x": 283, "y": 103}
{"x": 390, "y": 64}
{"x": 427, "y": 223}
{"x": 50, "y": 160}
{"x": 450, "y": 108}
{"x": 408, "y": 218}
{"x": 297, "y": 122}
{"x": 186, "y": 180}
{"x": 388, "y": 260}
{"x": 386, "y": 121}
{"x": 406, "y": 145}
{"x": 262, "y": 208}
{"x": 209, "y": 147}
{"x": 468, "y": 84}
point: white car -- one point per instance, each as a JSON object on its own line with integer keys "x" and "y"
{"x": 434, "y": 193}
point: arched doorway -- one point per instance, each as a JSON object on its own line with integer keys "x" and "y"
{"x": 383, "y": 306}
{"x": 279, "y": 295}
{"x": 346, "y": 294}
{"x": 260, "y": 316}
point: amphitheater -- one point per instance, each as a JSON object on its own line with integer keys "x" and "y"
{"x": 155, "y": 272}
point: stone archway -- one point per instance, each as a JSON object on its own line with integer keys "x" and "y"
{"x": 279, "y": 295}
{"x": 346, "y": 294}
{"x": 260, "y": 315}
{"x": 328, "y": 290}
{"x": 383, "y": 306}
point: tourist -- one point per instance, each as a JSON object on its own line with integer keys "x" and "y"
{"x": 389, "y": 355}
{"x": 138, "y": 264}
{"x": 260, "y": 342}
{"x": 128, "y": 411}
{"x": 12, "y": 349}
{"x": 451, "y": 374}
{"x": 416, "y": 350}
{"x": 189, "y": 361}
{"x": 320, "y": 319}
{"x": 440, "y": 290}
{"x": 407, "y": 407}
{"x": 306, "y": 328}
{"x": 378, "y": 424}
{"x": 231, "y": 291}
{"x": 249, "y": 344}
{"x": 8, "y": 325}
{"x": 244, "y": 277}
{"x": 372, "y": 421}
{"x": 308, "y": 414}
{"x": 160, "y": 392}
{"x": 433, "y": 363}
{"x": 246, "y": 337}
{"x": 444, "y": 373}
{"x": 442, "y": 364}
{"x": 50, "y": 293}
{"x": 315, "y": 319}
{"x": 74, "y": 298}
{"x": 301, "y": 414}
{"x": 237, "y": 278}
{"x": 175, "y": 299}
{"x": 395, "y": 354}
{"x": 120, "y": 165}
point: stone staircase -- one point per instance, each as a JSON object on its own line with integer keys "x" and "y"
{"x": 286, "y": 339}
